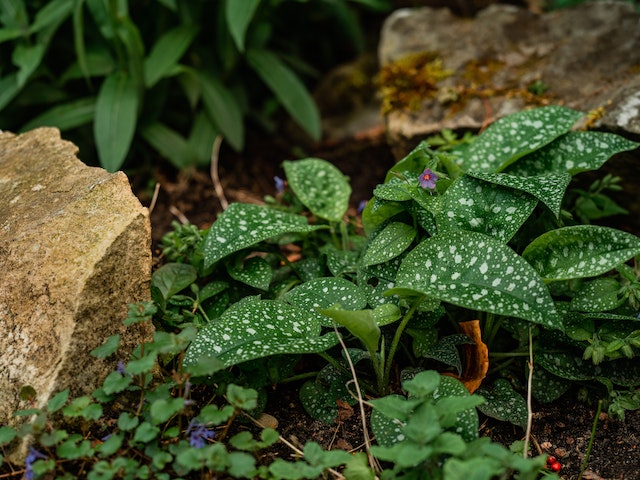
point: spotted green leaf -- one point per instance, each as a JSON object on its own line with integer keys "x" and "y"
{"x": 243, "y": 225}
{"x": 255, "y": 272}
{"x": 503, "y": 403}
{"x": 573, "y": 152}
{"x": 326, "y": 292}
{"x": 546, "y": 387}
{"x": 580, "y": 251}
{"x": 445, "y": 350}
{"x": 320, "y": 186}
{"x": 479, "y": 206}
{"x": 360, "y": 323}
{"x": 258, "y": 329}
{"x": 377, "y": 212}
{"x": 396, "y": 189}
{"x": 171, "y": 278}
{"x": 478, "y": 272}
{"x": 466, "y": 419}
{"x": 598, "y": 295}
{"x": 516, "y": 135}
{"x": 394, "y": 239}
{"x": 549, "y": 188}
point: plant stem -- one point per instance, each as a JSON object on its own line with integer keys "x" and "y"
{"x": 396, "y": 339}
{"x": 529, "y": 403}
{"x": 593, "y": 436}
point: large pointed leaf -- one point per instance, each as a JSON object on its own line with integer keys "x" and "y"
{"x": 476, "y": 271}
{"x": 573, "y": 152}
{"x": 116, "y": 118}
{"x": 394, "y": 239}
{"x": 516, "y": 135}
{"x": 256, "y": 330}
{"x": 242, "y": 225}
{"x": 580, "y": 251}
{"x": 504, "y": 403}
{"x": 549, "y": 188}
{"x": 320, "y": 186}
{"x": 479, "y": 206}
{"x": 288, "y": 88}
{"x": 360, "y": 323}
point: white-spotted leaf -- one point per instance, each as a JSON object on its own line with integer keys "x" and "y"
{"x": 573, "y": 152}
{"x": 467, "y": 422}
{"x": 549, "y": 188}
{"x": 255, "y": 272}
{"x": 326, "y": 292}
{"x": 504, "y": 403}
{"x": 389, "y": 243}
{"x": 478, "y": 272}
{"x": 516, "y": 135}
{"x": 243, "y": 225}
{"x": 320, "y": 186}
{"x": 580, "y": 251}
{"x": 258, "y": 329}
{"x": 598, "y": 295}
{"x": 479, "y": 206}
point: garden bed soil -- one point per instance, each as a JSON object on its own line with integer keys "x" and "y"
{"x": 562, "y": 429}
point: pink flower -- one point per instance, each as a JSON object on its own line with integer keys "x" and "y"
{"x": 428, "y": 179}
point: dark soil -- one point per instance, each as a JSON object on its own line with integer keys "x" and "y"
{"x": 562, "y": 429}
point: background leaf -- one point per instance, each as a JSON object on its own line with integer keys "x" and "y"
{"x": 166, "y": 53}
{"x": 116, "y": 118}
{"x": 238, "y": 16}
{"x": 288, "y": 88}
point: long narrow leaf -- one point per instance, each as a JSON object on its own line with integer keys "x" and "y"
{"x": 238, "y": 16}
{"x": 170, "y": 144}
{"x": 27, "y": 59}
{"x": 9, "y": 88}
{"x": 223, "y": 109}
{"x": 53, "y": 12}
{"x": 166, "y": 52}
{"x": 66, "y": 116}
{"x": 116, "y": 118}
{"x": 288, "y": 88}
{"x": 78, "y": 37}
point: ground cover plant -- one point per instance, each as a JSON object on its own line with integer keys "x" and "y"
{"x": 168, "y": 76}
{"x": 473, "y": 282}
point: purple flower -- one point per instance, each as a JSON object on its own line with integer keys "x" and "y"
{"x": 199, "y": 433}
{"x": 361, "y": 207}
{"x": 120, "y": 367}
{"x": 30, "y": 460}
{"x": 428, "y": 179}
{"x": 280, "y": 184}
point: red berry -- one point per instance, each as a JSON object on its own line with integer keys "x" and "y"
{"x": 551, "y": 459}
{"x": 555, "y": 467}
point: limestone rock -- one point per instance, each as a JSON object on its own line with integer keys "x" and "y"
{"x": 586, "y": 58}
{"x": 74, "y": 251}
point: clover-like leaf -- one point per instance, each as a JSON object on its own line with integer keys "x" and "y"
{"x": 480, "y": 206}
{"x": 580, "y": 251}
{"x": 478, "y": 272}
{"x": 243, "y": 225}
{"x": 258, "y": 329}
{"x": 394, "y": 239}
{"x": 516, "y": 135}
{"x": 549, "y": 188}
{"x": 504, "y": 403}
{"x": 573, "y": 152}
{"x": 320, "y": 186}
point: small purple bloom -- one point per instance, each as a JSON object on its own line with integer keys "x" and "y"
{"x": 280, "y": 184}
{"x": 428, "y": 179}
{"x": 361, "y": 207}
{"x": 30, "y": 460}
{"x": 120, "y": 367}
{"x": 199, "y": 433}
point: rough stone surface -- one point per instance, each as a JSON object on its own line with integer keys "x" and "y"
{"x": 74, "y": 251}
{"x": 587, "y": 56}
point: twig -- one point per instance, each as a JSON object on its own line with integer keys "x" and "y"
{"x": 215, "y": 156}
{"x": 529, "y": 407}
{"x": 181, "y": 216}
{"x": 154, "y": 198}
{"x": 373, "y": 463}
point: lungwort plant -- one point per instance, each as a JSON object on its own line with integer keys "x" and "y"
{"x": 481, "y": 232}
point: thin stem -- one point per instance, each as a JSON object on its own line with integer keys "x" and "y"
{"x": 529, "y": 403}
{"x": 593, "y": 436}
{"x": 396, "y": 338}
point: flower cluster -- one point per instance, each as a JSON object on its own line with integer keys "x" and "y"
{"x": 199, "y": 433}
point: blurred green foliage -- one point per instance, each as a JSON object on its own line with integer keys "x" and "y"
{"x": 120, "y": 76}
